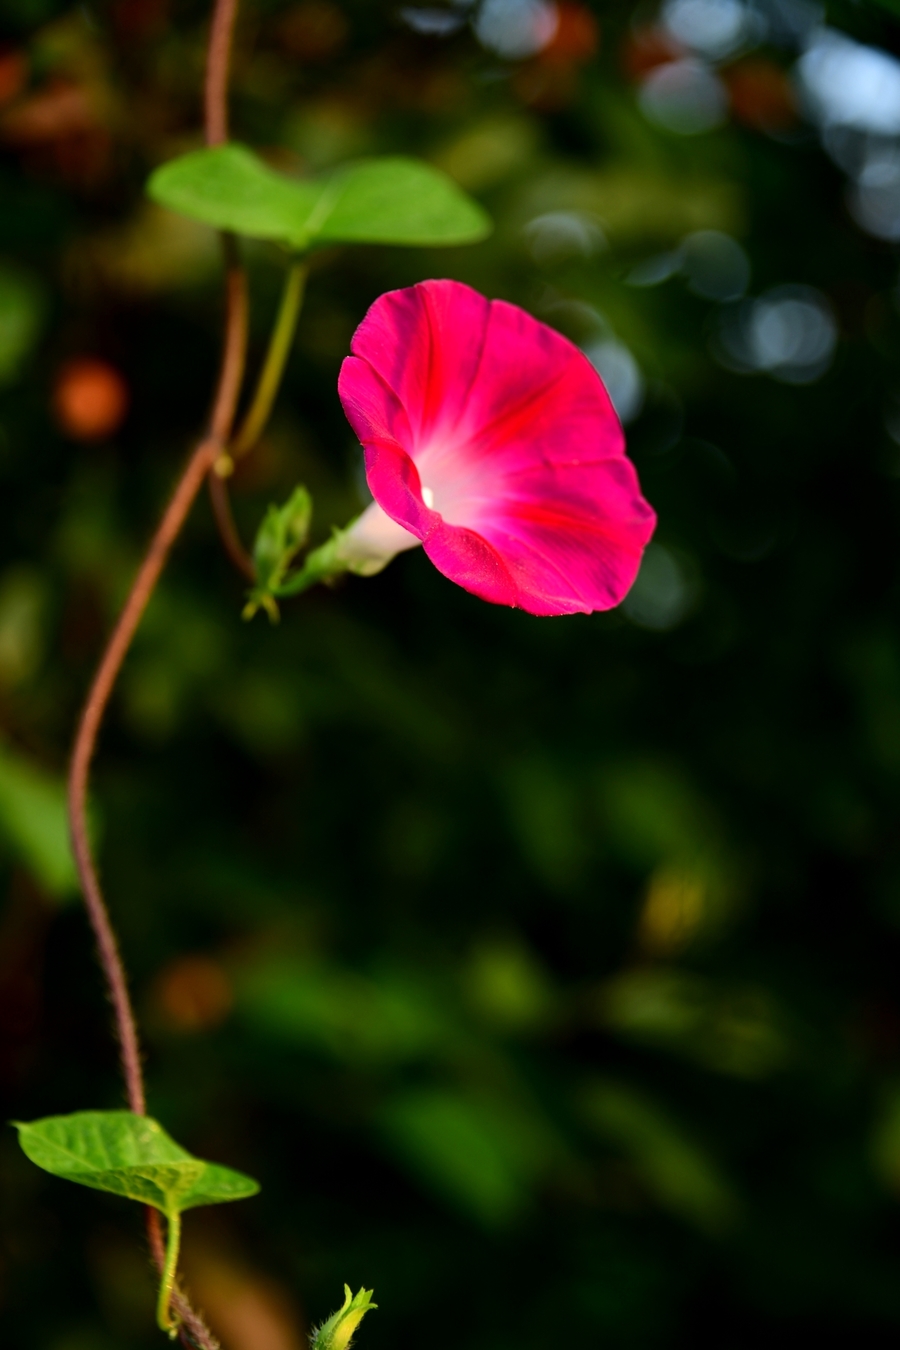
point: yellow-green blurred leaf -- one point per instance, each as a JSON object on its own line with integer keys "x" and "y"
{"x": 21, "y": 312}
{"x": 479, "y": 1153}
{"x": 506, "y": 985}
{"x": 885, "y": 1145}
{"x": 341, "y": 1013}
{"x": 636, "y": 203}
{"x": 674, "y": 1168}
{"x": 735, "y": 1029}
{"x": 33, "y": 822}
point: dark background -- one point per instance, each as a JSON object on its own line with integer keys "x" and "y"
{"x": 544, "y": 971}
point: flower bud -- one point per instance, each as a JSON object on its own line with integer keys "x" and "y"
{"x": 337, "y": 1332}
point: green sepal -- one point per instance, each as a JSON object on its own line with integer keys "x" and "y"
{"x": 338, "y": 1331}
{"x": 324, "y": 564}
{"x": 282, "y": 534}
{"x": 131, "y": 1156}
{"x": 389, "y": 200}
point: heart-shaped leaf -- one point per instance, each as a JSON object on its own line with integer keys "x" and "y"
{"x": 397, "y": 201}
{"x": 132, "y": 1156}
{"x": 389, "y": 201}
{"x": 231, "y": 188}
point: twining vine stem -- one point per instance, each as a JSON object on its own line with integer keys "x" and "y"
{"x": 192, "y": 1329}
{"x": 218, "y": 62}
{"x": 142, "y": 588}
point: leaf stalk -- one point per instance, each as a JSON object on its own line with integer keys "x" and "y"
{"x": 276, "y": 357}
{"x": 164, "y": 1319}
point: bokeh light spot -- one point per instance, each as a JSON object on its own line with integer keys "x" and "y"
{"x": 90, "y": 399}
{"x": 193, "y": 993}
{"x": 621, "y": 374}
{"x": 516, "y": 29}
{"x": 685, "y": 96}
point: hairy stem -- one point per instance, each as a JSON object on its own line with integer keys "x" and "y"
{"x": 218, "y": 60}
{"x": 204, "y": 456}
{"x": 83, "y": 751}
{"x": 98, "y": 696}
{"x": 191, "y": 1327}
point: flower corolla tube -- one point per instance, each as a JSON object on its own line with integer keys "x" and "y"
{"x": 490, "y": 439}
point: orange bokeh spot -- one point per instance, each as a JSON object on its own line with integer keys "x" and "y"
{"x": 13, "y": 74}
{"x": 761, "y": 95}
{"x": 646, "y": 48}
{"x": 90, "y": 399}
{"x": 314, "y": 30}
{"x": 549, "y": 81}
{"x": 193, "y": 993}
{"x": 138, "y": 19}
{"x": 576, "y": 39}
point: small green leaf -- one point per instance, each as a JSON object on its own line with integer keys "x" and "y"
{"x": 131, "y": 1156}
{"x": 389, "y": 201}
{"x": 673, "y": 1167}
{"x": 337, "y": 1333}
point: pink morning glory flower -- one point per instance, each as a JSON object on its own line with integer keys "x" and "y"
{"x": 490, "y": 440}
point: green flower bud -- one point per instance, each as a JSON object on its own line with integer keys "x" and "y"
{"x": 337, "y": 1332}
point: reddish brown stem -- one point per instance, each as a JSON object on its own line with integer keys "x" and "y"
{"x": 193, "y": 1331}
{"x": 83, "y": 750}
{"x": 228, "y": 530}
{"x": 218, "y": 59}
{"x": 98, "y": 696}
{"x": 174, "y": 516}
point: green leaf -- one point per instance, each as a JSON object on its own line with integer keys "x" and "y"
{"x": 673, "y": 1167}
{"x": 337, "y": 1333}
{"x": 397, "y": 201}
{"x": 33, "y": 821}
{"x": 131, "y": 1156}
{"x": 730, "y": 1028}
{"x": 21, "y": 312}
{"x": 390, "y": 201}
{"x": 231, "y": 188}
{"x": 483, "y": 1154}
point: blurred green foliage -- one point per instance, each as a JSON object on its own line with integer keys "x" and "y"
{"x": 550, "y": 962}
